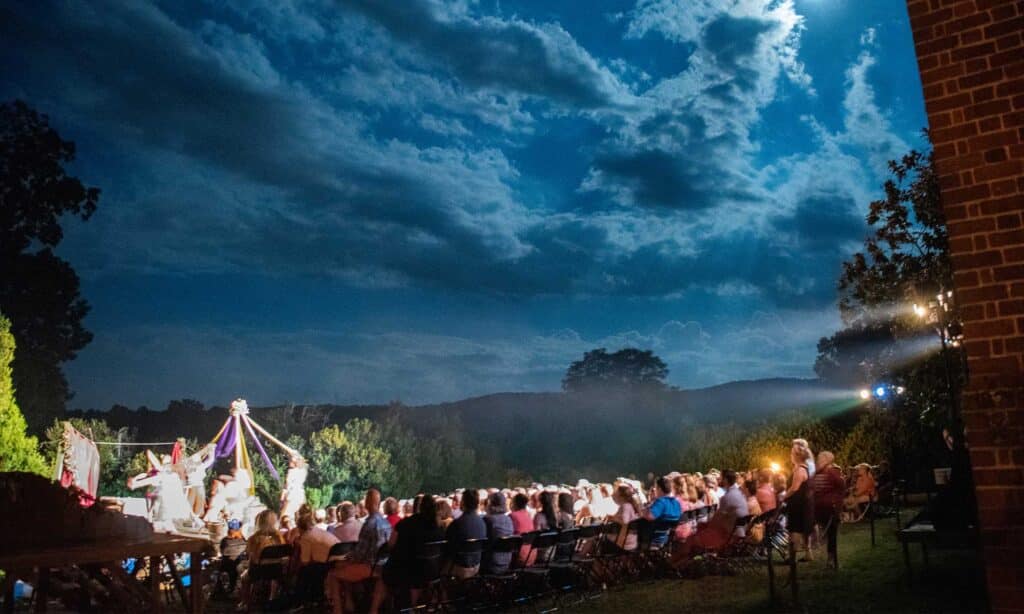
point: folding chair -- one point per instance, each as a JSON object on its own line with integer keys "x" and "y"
{"x": 497, "y": 582}
{"x": 268, "y": 572}
{"x": 535, "y": 576}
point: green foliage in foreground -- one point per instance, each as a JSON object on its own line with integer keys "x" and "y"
{"x": 18, "y": 451}
{"x": 869, "y": 580}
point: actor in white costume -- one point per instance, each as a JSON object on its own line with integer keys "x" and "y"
{"x": 294, "y": 493}
{"x": 196, "y": 467}
{"x": 169, "y": 503}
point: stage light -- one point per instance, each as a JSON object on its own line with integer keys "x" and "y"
{"x": 900, "y": 389}
{"x": 775, "y": 467}
{"x": 920, "y": 311}
{"x": 880, "y": 391}
{"x": 865, "y": 394}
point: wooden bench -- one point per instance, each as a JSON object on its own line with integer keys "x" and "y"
{"x": 924, "y": 532}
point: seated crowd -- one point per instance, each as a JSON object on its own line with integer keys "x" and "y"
{"x": 383, "y": 538}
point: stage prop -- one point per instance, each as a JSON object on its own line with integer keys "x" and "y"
{"x": 78, "y": 464}
{"x": 233, "y": 496}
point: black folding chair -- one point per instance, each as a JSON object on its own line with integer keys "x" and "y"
{"x": 535, "y": 575}
{"x": 498, "y": 581}
{"x": 428, "y": 575}
{"x": 268, "y": 573}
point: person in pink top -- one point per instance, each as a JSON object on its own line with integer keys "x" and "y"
{"x": 765, "y": 493}
{"x": 686, "y": 493}
{"x": 521, "y": 521}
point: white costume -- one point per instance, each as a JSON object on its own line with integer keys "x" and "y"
{"x": 169, "y": 505}
{"x": 294, "y": 493}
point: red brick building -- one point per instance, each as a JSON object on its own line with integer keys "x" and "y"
{"x": 971, "y": 57}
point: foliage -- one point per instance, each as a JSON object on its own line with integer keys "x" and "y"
{"x": 905, "y": 261}
{"x": 872, "y": 439}
{"x": 742, "y": 447}
{"x": 18, "y": 451}
{"x": 39, "y": 292}
{"x": 346, "y": 461}
{"x": 626, "y": 368}
{"x": 908, "y": 252}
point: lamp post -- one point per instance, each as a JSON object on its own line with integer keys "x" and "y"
{"x": 941, "y": 315}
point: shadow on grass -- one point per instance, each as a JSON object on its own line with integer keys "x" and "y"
{"x": 869, "y": 580}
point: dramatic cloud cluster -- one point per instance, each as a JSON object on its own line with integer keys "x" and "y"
{"x": 465, "y": 147}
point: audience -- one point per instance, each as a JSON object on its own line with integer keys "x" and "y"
{"x": 628, "y": 511}
{"x": 829, "y": 487}
{"x": 522, "y": 522}
{"x": 467, "y": 526}
{"x": 499, "y": 524}
{"x": 403, "y": 574}
{"x": 754, "y": 509}
{"x": 546, "y": 518}
{"x": 266, "y": 533}
{"x": 766, "y": 498}
{"x": 664, "y": 508}
{"x": 359, "y": 565}
{"x": 391, "y": 508}
{"x": 799, "y": 507}
{"x": 390, "y": 535}
{"x": 565, "y": 514}
{"x": 863, "y": 489}
{"x": 314, "y": 543}
{"x": 348, "y": 526}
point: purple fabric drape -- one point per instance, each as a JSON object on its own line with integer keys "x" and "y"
{"x": 228, "y": 440}
{"x": 263, "y": 453}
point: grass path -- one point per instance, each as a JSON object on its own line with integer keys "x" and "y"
{"x": 869, "y": 580}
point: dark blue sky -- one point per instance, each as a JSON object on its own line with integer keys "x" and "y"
{"x": 367, "y": 200}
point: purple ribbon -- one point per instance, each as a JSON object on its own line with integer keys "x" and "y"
{"x": 263, "y": 453}
{"x": 227, "y": 441}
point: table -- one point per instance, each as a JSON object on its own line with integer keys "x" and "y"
{"x": 160, "y": 545}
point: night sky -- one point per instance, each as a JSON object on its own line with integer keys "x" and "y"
{"x": 368, "y": 200}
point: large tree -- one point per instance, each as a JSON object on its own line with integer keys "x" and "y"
{"x": 628, "y": 368}
{"x": 39, "y": 291}
{"x": 905, "y": 261}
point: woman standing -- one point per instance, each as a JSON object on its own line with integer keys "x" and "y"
{"x": 799, "y": 511}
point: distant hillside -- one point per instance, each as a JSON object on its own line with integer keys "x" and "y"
{"x": 498, "y": 416}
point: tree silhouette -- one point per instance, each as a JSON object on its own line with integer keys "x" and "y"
{"x": 39, "y": 292}
{"x": 905, "y": 260}
{"x": 626, "y": 369}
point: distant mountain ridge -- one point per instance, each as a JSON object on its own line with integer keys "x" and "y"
{"x": 498, "y": 414}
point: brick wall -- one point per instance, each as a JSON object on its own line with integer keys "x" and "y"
{"x": 971, "y": 57}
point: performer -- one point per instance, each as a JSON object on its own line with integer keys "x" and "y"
{"x": 196, "y": 467}
{"x": 229, "y": 495}
{"x": 294, "y": 493}
{"x": 169, "y": 503}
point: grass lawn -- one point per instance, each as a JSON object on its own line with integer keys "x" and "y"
{"x": 869, "y": 580}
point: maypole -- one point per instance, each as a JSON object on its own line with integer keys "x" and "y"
{"x": 231, "y": 441}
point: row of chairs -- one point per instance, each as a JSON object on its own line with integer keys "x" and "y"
{"x": 559, "y": 567}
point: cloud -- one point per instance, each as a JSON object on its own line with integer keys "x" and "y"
{"x": 389, "y": 154}
{"x": 490, "y": 52}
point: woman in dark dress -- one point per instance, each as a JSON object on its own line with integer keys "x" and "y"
{"x": 404, "y": 573}
{"x": 799, "y": 508}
